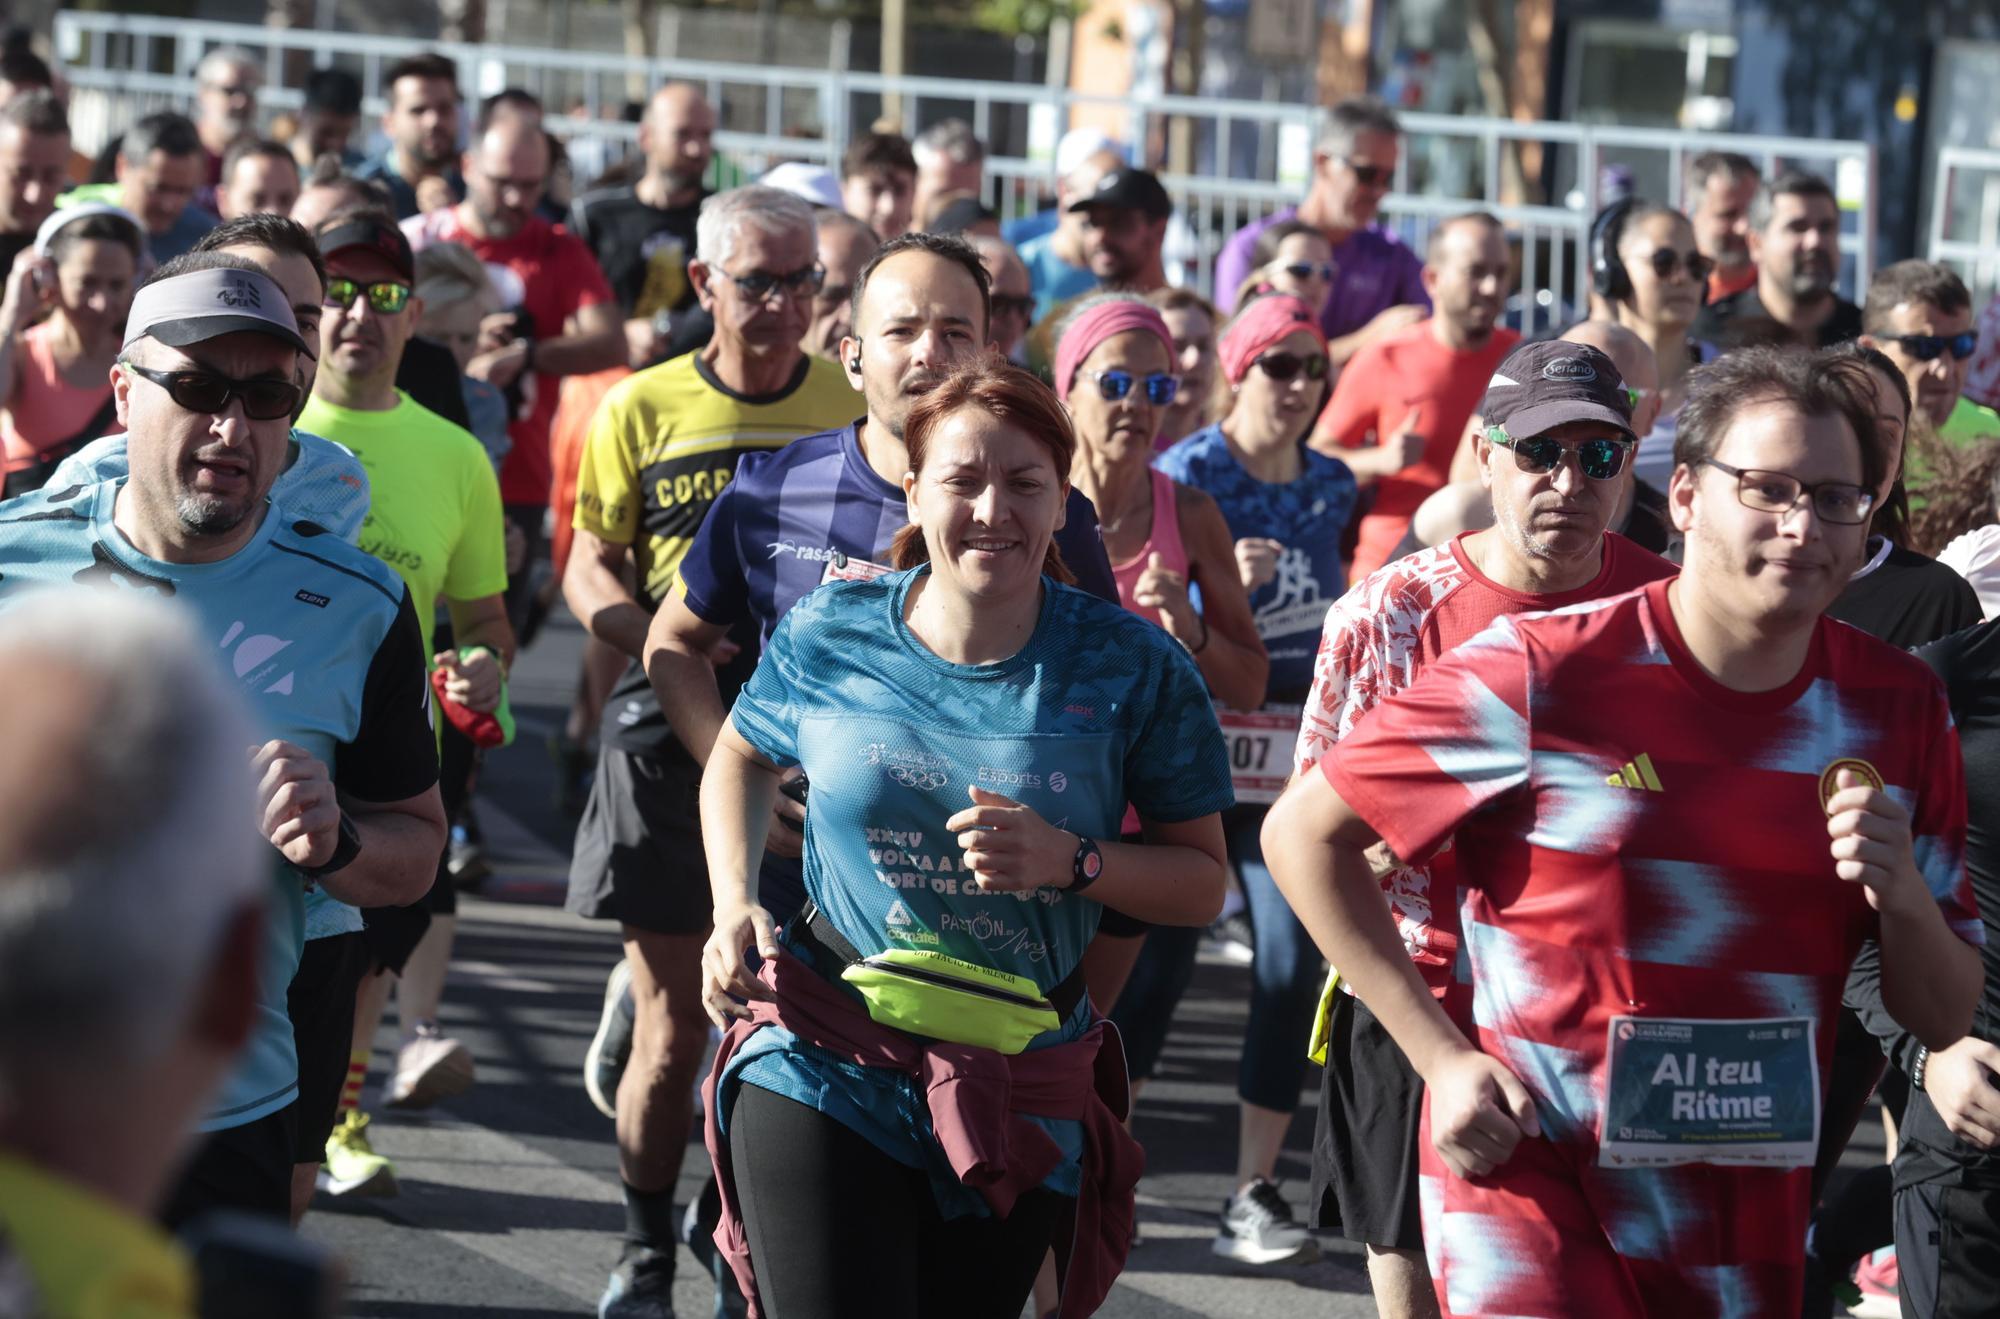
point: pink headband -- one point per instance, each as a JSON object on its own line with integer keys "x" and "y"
{"x": 1265, "y": 322}
{"x": 1098, "y": 324}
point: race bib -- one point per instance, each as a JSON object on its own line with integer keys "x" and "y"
{"x": 1734, "y": 1093}
{"x": 841, "y": 568}
{"x": 1261, "y": 744}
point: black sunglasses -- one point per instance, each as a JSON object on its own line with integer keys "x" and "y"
{"x": 1600, "y": 457}
{"x": 205, "y": 391}
{"x": 760, "y": 283}
{"x": 1283, "y": 366}
{"x": 1306, "y": 270}
{"x": 1369, "y": 176}
{"x": 1161, "y": 388}
{"x": 1930, "y": 347}
{"x": 1665, "y": 261}
{"x": 1014, "y": 304}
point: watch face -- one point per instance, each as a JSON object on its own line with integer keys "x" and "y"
{"x": 1093, "y": 864}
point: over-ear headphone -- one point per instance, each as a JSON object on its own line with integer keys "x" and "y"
{"x": 1608, "y": 277}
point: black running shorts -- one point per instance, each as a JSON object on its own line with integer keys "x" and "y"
{"x": 1364, "y": 1169}
{"x": 638, "y": 857}
{"x": 321, "y": 1005}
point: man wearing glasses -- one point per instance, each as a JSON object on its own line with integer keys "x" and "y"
{"x": 560, "y": 319}
{"x": 1379, "y": 287}
{"x": 663, "y": 446}
{"x": 434, "y": 517}
{"x": 323, "y": 638}
{"x": 1674, "y": 815}
{"x": 1554, "y": 490}
{"x": 1919, "y": 313}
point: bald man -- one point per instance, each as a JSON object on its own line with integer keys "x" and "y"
{"x": 643, "y": 234}
{"x": 560, "y": 318}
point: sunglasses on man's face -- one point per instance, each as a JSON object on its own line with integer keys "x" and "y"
{"x": 1369, "y": 176}
{"x": 1161, "y": 388}
{"x": 1665, "y": 261}
{"x": 1284, "y": 366}
{"x": 1930, "y": 347}
{"x": 264, "y": 399}
{"x": 1601, "y": 457}
{"x": 760, "y": 284}
{"x": 386, "y": 296}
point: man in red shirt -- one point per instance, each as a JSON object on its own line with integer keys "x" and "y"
{"x": 1547, "y": 548}
{"x": 1414, "y": 390}
{"x": 561, "y": 318}
{"x": 1676, "y": 815}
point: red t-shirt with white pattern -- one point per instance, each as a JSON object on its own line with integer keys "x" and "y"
{"x": 1379, "y": 637}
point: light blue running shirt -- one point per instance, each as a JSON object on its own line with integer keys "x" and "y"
{"x": 322, "y": 641}
{"x": 326, "y": 485}
{"x": 1099, "y": 708}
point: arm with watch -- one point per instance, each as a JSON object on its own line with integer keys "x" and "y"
{"x": 1176, "y": 877}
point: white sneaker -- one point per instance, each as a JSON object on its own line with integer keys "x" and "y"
{"x": 1258, "y": 1228}
{"x": 430, "y": 1066}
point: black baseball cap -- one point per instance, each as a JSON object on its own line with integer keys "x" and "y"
{"x": 1542, "y": 385}
{"x": 377, "y": 236}
{"x": 1129, "y": 190}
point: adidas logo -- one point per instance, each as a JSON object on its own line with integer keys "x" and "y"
{"x": 1638, "y": 773}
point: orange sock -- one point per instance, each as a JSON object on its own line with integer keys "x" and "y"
{"x": 357, "y": 1076}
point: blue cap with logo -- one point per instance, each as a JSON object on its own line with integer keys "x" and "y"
{"x": 1542, "y": 385}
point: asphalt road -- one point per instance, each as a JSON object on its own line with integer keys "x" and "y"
{"x": 509, "y": 1201}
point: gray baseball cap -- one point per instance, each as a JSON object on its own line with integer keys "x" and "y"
{"x": 207, "y": 304}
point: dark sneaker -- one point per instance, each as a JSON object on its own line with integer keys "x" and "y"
{"x": 641, "y": 1287}
{"x": 604, "y": 1062}
{"x": 1258, "y": 1228}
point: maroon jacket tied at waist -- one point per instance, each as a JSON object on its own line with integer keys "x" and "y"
{"x": 979, "y": 1101}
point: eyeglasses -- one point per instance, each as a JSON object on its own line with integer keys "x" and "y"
{"x": 1306, "y": 270}
{"x": 1369, "y": 176}
{"x": 1161, "y": 388}
{"x": 1601, "y": 458}
{"x": 387, "y": 297}
{"x": 760, "y": 284}
{"x": 1665, "y": 262}
{"x": 1014, "y": 304}
{"x": 1930, "y": 347}
{"x": 1774, "y": 492}
{"x": 205, "y": 391}
{"x": 1283, "y": 366}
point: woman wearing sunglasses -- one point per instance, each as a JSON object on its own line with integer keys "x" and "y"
{"x": 1654, "y": 278}
{"x": 919, "y": 1042}
{"x": 1114, "y": 368}
{"x": 1287, "y": 506}
{"x": 55, "y": 376}
{"x": 1292, "y": 258}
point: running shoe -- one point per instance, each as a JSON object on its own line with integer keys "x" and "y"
{"x": 465, "y": 857}
{"x": 1878, "y": 1280}
{"x": 1234, "y": 939}
{"x": 641, "y": 1287}
{"x": 604, "y": 1061}
{"x": 352, "y": 1165}
{"x": 1258, "y": 1228}
{"x": 430, "y": 1066}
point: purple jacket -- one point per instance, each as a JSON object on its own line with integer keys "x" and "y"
{"x": 1376, "y": 272}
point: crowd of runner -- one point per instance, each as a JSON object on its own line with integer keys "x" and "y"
{"x": 1591, "y": 744}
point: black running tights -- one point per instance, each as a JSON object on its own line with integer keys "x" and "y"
{"x": 837, "y": 1228}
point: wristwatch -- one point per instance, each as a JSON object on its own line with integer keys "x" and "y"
{"x": 1087, "y": 866}
{"x": 345, "y": 849}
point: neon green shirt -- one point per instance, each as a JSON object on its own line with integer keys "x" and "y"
{"x": 434, "y": 503}
{"x": 85, "y": 1257}
{"x": 1969, "y": 423}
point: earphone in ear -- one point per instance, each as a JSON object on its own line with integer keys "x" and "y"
{"x": 1608, "y": 277}
{"x": 854, "y": 364}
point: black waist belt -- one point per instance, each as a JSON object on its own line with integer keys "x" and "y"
{"x": 811, "y": 929}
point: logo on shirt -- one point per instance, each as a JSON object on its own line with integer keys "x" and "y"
{"x": 312, "y": 598}
{"x": 254, "y": 660}
{"x": 810, "y": 553}
{"x": 905, "y": 927}
{"x": 922, "y": 770}
{"x": 1637, "y": 773}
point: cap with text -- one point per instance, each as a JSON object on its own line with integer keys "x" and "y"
{"x": 207, "y": 304}
{"x": 1543, "y": 385}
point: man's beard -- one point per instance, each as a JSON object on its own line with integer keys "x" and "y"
{"x": 209, "y": 517}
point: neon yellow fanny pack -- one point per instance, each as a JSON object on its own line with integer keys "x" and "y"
{"x": 942, "y": 997}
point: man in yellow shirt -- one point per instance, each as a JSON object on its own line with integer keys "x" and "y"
{"x": 115, "y": 986}
{"x": 663, "y": 445}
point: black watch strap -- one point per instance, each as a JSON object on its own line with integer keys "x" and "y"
{"x": 345, "y": 849}
{"x": 1087, "y": 866}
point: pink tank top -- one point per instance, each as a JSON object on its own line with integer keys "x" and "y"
{"x": 45, "y": 409}
{"x": 1164, "y": 540}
